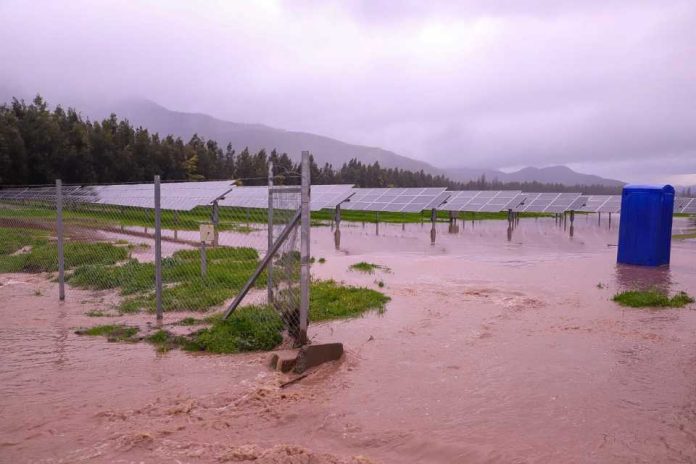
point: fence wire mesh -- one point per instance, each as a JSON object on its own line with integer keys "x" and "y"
{"x": 208, "y": 252}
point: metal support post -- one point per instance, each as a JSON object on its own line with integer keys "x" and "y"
{"x": 158, "y": 250}
{"x": 176, "y": 224}
{"x": 59, "y": 236}
{"x": 216, "y": 221}
{"x": 269, "y": 271}
{"x": 304, "y": 249}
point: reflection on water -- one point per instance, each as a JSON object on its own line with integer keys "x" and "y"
{"x": 642, "y": 277}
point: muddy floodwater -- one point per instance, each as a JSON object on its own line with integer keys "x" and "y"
{"x": 500, "y": 345}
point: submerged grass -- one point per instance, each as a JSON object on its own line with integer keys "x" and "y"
{"x": 329, "y": 300}
{"x": 113, "y": 332}
{"x": 368, "y": 268}
{"x": 652, "y": 299}
{"x": 684, "y": 236}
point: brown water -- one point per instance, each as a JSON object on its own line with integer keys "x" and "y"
{"x": 490, "y": 351}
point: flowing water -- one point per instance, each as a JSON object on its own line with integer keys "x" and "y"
{"x": 498, "y": 346}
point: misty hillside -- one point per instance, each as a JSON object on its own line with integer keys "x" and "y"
{"x": 157, "y": 118}
{"x": 552, "y": 174}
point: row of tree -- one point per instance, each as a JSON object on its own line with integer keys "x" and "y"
{"x": 38, "y": 145}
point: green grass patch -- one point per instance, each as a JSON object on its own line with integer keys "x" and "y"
{"x": 251, "y": 328}
{"x": 43, "y": 256}
{"x": 185, "y": 289}
{"x": 14, "y": 239}
{"x": 367, "y": 268}
{"x": 329, "y": 300}
{"x": 684, "y": 236}
{"x": 652, "y": 299}
{"x": 113, "y": 332}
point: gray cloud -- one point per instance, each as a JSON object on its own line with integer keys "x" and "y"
{"x": 607, "y": 86}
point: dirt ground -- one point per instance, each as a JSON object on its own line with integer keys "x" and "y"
{"x": 493, "y": 349}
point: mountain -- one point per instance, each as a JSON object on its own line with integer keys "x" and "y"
{"x": 552, "y": 174}
{"x": 157, "y": 118}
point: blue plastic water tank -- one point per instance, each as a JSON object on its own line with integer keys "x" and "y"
{"x": 645, "y": 229}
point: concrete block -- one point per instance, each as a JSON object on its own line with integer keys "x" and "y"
{"x": 314, "y": 355}
{"x": 283, "y": 361}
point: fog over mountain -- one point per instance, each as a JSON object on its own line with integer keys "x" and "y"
{"x": 156, "y": 118}
{"x": 605, "y": 87}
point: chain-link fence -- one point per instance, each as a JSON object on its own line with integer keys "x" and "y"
{"x": 165, "y": 248}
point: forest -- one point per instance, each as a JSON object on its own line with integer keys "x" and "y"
{"x": 39, "y": 145}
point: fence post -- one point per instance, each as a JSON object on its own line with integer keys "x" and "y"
{"x": 204, "y": 260}
{"x": 304, "y": 249}
{"x": 59, "y": 236}
{"x": 269, "y": 270}
{"x": 158, "y": 250}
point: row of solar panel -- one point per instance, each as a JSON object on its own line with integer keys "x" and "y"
{"x": 181, "y": 196}
{"x": 187, "y": 195}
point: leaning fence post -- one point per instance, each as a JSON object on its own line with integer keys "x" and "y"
{"x": 269, "y": 270}
{"x": 158, "y": 250}
{"x": 59, "y": 236}
{"x": 304, "y": 249}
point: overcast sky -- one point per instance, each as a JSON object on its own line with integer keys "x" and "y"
{"x": 606, "y": 86}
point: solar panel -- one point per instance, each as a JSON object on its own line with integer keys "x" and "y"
{"x": 322, "y": 196}
{"x": 601, "y": 204}
{"x": 40, "y": 194}
{"x": 685, "y": 205}
{"x": 398, "y": 200}
{"x": 481, "y": 200}
{"x": 548, "y": 202}
{"x": 181, "y": 196}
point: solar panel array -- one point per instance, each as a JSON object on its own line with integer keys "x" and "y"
{"x": 397, "y": 200}
{"x": 549, "y": 202}
{"x": 481, "y": 201}
{"x": 685, "y": 205}
{"x": 185, "y": 196}
{"x": 322, "y": 196}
